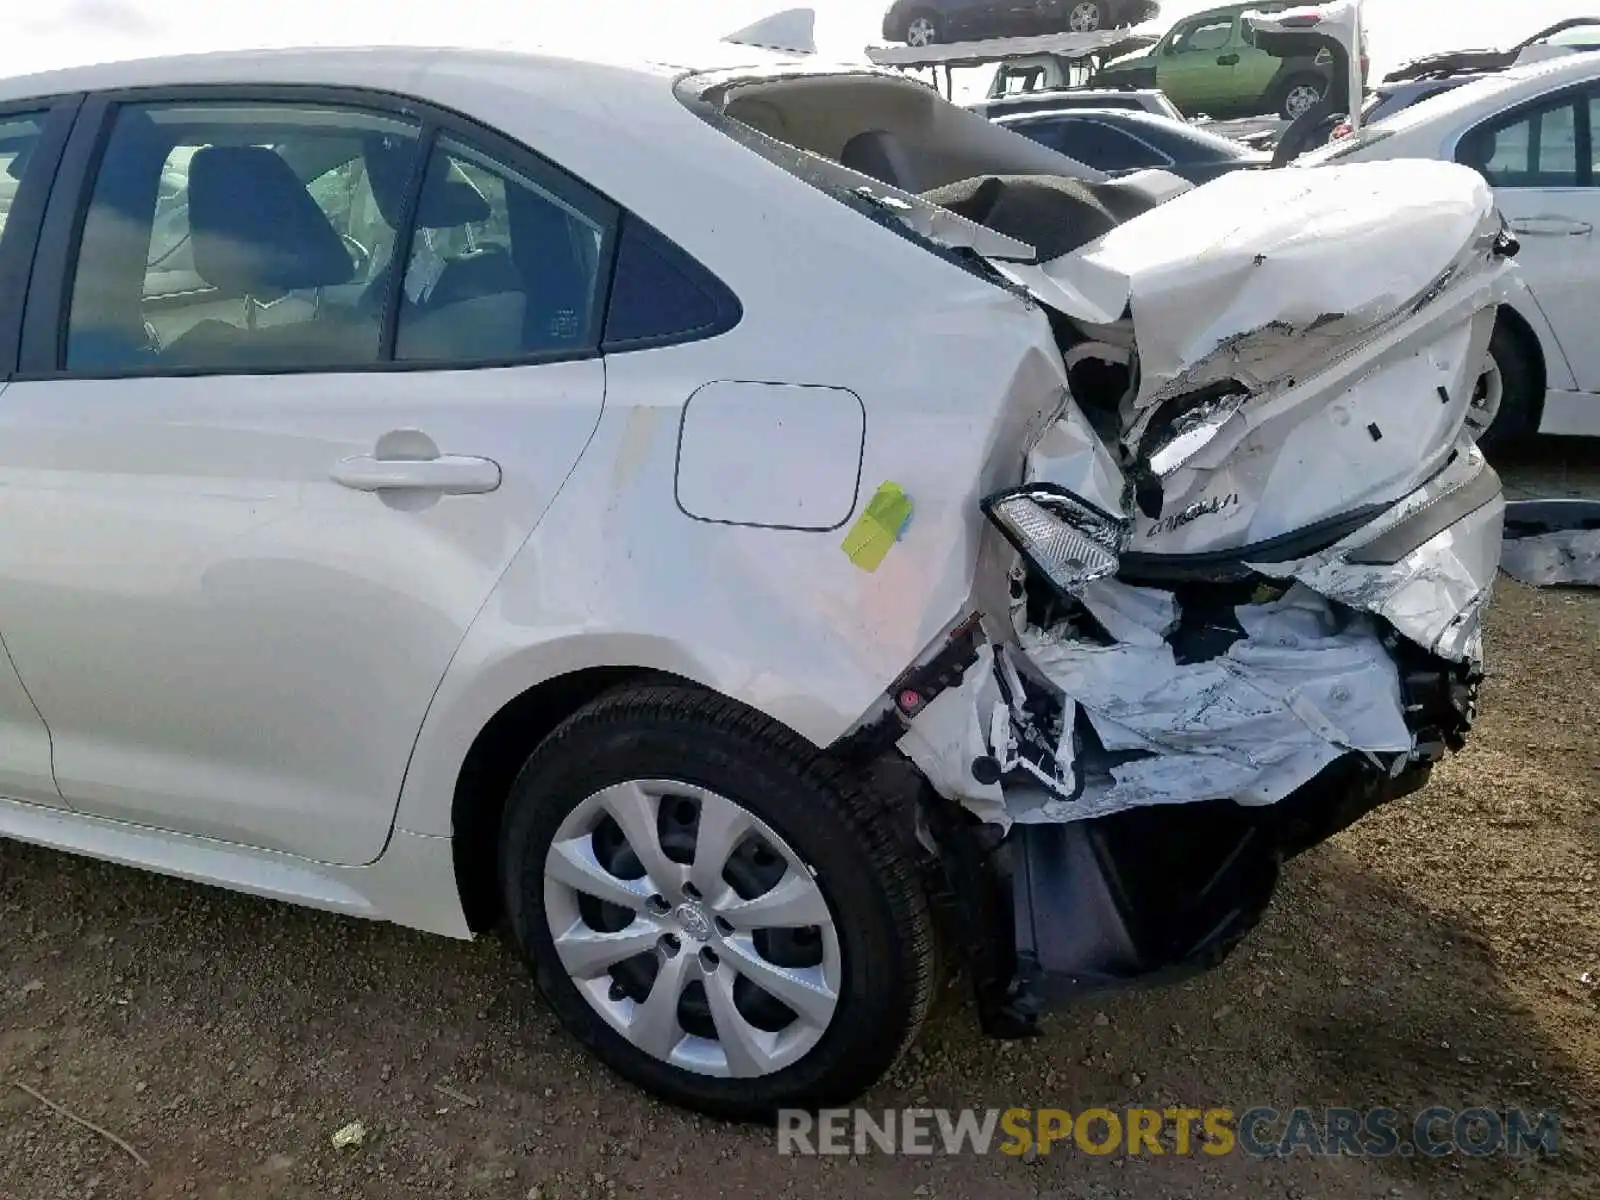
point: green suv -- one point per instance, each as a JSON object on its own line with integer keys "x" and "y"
{"x": 1207, "y": 64}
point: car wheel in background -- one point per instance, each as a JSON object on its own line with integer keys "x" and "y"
{"x": 718, "y": 912}
{"x": 1300, "y": 95}
{"x": 923, "y": 29}
{"x": 1086, "y": 16}
{"x": 1502, "y": 402}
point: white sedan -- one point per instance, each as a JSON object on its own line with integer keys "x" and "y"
{"x": 1530, "y": 131}
{"x": 676, "y": 512}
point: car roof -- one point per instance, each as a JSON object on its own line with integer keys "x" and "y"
{"x": 386, "y": 68}
{"x": 1495, "y": 91}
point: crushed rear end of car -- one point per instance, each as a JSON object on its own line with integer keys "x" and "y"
{"x": 1230, "y": 600}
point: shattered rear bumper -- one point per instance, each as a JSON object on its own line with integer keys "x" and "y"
{"x": 1111, "y": 804}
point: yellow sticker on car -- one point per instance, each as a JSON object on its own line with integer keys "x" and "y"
{"x": 879, "y": 527}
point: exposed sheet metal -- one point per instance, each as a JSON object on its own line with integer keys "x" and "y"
{"x": 1304, "y": 686}
{"x": 1436, "y": 594}
{"x": 1275, "y": 262}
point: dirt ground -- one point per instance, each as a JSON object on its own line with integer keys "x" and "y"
{"x": 1442, "y": 952}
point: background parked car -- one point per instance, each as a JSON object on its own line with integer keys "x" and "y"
{"x": 1206, "y": 64}
{"x": 1529, "y": 131}
{"x": 924, "y": 22}
{"x": 1059, "y": 71}
{"x": 1113, "y": 140}
{"x": 1141, "y": 100}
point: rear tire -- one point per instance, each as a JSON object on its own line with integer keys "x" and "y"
{"x": 678, "y": 757}
{"x": 1506, "y": 390}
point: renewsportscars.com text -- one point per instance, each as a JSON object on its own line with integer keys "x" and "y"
{"x": 1259, "y": 1132}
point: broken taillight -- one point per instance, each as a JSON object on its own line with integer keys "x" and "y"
{"x": 1065, "y": 539}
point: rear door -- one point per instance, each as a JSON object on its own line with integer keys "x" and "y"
{"x": 249, "y": 520}
{"x": 31, "y": 139}
{"x": 1197, "y": 66}
{"x": 1540, "y": 160}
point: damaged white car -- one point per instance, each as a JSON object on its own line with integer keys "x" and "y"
{"x": 747, "y": 529}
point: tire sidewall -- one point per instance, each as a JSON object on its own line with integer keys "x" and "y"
{"x": 1514, "y": 421}
{"x": 875, "y": 997}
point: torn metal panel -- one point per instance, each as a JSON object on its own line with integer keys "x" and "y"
{"x": 953, "y": 732}
{"x": 1071, "y": 455}
{"x": 1302, "y": 686}
{"x": 1434, "y": 590}
{"x": 1275, "y": 262}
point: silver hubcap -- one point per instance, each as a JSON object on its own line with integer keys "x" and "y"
{"x": 693, "y": 929}
{"x": 920, "y": 32}
{"x": 1300, "y": 99}
{"x": 1487, "y": 397}
{"x": 1084, "y": 18}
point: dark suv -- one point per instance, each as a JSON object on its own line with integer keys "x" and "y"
{"x": 925, "y": 22}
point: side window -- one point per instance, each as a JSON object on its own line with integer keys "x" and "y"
{"x": 660, "y": 295}
{"x": 1536, "y": 149}
{"x": 239, "y": 235}
{"x": 18, "y": 137}
{"x": 504, "y": 264}
{"x": 1205, "y": 37}
{"x": 1100, "y": 146}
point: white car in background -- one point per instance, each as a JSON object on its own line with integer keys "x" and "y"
{"x": 1530, "y": 132}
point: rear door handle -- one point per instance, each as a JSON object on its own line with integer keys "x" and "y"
{"x": 1551, "y": 227}
{"x": 1227, "y": 60}
{"x": 449, "y": 474}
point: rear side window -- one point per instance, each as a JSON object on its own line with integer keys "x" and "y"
{"x": 660, "y": 295}
{"x": 505, "y": 263}
{"x": 18, "y": 137}
{"x": 205, "y": 245}
{"x": 1545, "y": 148}
{"x": 1097, "y": 144}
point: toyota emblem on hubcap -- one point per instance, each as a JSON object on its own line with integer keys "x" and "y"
{"x": 694, "y": 921}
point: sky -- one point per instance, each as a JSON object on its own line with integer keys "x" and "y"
{"x": 48, "y": 33}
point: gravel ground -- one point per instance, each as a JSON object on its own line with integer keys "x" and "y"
{"x": 1436, "y": 954}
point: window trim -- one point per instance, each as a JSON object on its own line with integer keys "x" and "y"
{"x": 1580, "y": 96}
{"x": 48, "y": 306}
{"x": 57, "y": 114}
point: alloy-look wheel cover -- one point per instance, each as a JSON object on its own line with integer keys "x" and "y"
{"x": 697, "y": 928}
{"x": 1301, "y": 99}
{"x": 920, "y": 32}
{"x": 1083, "y": 18}
{"x": 1488, "y": 396}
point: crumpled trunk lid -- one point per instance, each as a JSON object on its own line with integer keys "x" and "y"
{"x": 1271, "y": 267}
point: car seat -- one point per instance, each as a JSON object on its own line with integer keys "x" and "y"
{"x": 258, "y": 234}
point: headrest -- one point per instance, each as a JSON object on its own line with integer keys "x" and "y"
{"x": 256, "y": 230}
{"x": 1052, "y": 213}
{"x": 877, "y": 153}
{"x": 449, "y": 200}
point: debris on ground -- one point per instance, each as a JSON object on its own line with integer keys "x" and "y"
{"x": 1552, "y": 543}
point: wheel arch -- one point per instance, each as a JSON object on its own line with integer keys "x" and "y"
{"x": 491, "y": 766}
